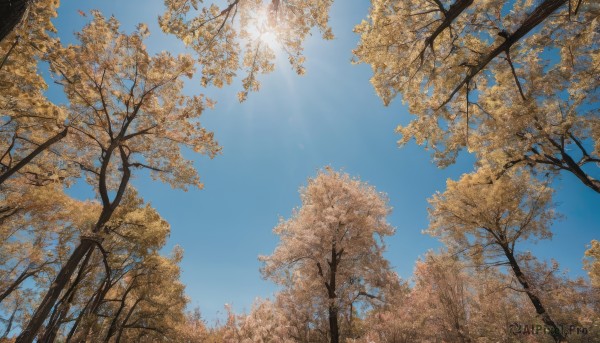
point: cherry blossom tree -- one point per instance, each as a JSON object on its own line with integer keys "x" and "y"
{"x": 332, "y": 246}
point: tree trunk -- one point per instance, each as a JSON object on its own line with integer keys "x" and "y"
{"x": 535, "y": 300}
{"x": 333, "y": 324}
{"x": 64, "y": 305}
{"x": 115, "y": 322}
{"x": 91, "y": 306}
{"x": 11, "y": 13}
{"x": 126, "y": 319}
{"x": 333, "y": 310}
{"x": 75, "y": 325}
{"x": 85, "y": 246}
{"x": 63, "y": 277}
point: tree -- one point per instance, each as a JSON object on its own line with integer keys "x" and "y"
{"x": 30, "y": 123}
{"x": 332, "y": 246}
{"x": 513, "y": 83}
{"x": 151, "y": 302}
{"x": 128, "y": 112}
{"x": 592, "y": 262}
{"x": 573, "y": 302}
{"x": 441, "y": 280}
{"x": 297, "y": 310}
{"x": 130, "y": 292}
{"x": 485, "y": 218}
{"x": 36, "y": 236}
{"x": 193, "y": 329}
{"x": 394, "y": 321}
{"x": 137, "y": 233}
{"x": 453, "y": 300}
{"x": 434, "y": 309}
{"x": 11, "y": 14}
{"x": 264, "y": 324}
{"x": 217, "y": 34}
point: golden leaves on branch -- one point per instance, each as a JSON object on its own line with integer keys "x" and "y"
{"x": 121, "y": 97}
{"x": 516, "y": 88}
{"x": 244, "y": 35}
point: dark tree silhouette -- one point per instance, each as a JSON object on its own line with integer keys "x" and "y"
{"x": 11, "y": 14}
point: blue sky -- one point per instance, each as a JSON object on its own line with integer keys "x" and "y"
{"x": 281, "y": 136}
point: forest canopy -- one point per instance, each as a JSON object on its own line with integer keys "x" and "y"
{"x": 90, "y": 250}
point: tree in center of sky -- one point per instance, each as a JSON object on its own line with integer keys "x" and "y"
{"x": 127, "y": 112}
{"x": 331, "y": 249}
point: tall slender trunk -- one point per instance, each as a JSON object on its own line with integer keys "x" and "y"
{"x": 331, "y": 286}
{"x": 75, "y": 325}
{"x": 64, "y": 305}
{"x": 90, "y": 307}
{"x": 126, "y": 319}
{"x": 115, "y": 322}
{"x": 86, "y": 245}
{"x": 63, "y": 277}
{"x": 535, "y": 300}
{"x": 333, "y": 324}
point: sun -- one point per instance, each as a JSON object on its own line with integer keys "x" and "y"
{"x": 261, "y": 30}
{"x": 270, "y": 38}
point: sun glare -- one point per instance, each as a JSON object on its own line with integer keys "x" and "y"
{"x": 260, "y": 29}
{"x": 270, "y": 39}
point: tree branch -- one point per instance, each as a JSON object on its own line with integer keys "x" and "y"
{"x": 541, "y": 12}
